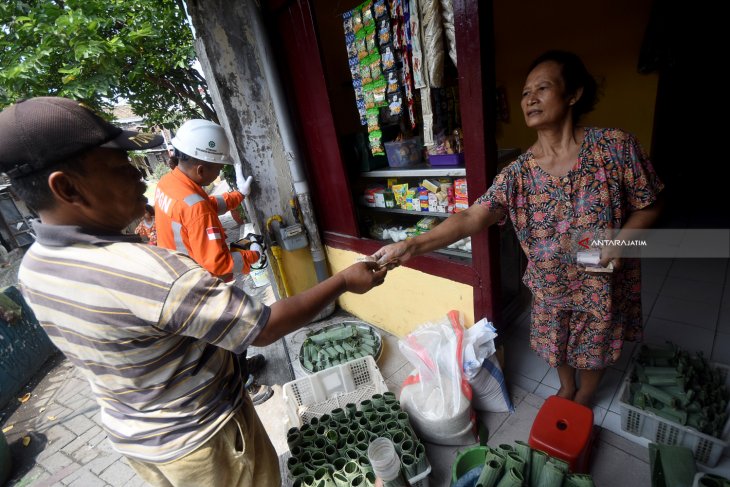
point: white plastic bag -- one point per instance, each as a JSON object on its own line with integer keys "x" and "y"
{"x": 437, "y": 396}
{"x": 490, "y": 389}
{"x": 478, "y": 345}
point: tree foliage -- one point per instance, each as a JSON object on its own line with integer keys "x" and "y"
{"x": 100, "y": 51}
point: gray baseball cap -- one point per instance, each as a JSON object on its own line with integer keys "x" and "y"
{"x": 38, "y": 132}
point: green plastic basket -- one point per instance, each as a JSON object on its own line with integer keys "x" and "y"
{"x": 467, "y": 460}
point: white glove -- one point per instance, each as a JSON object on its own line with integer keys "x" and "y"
{"x": 256, "y": 248}
{"x": 246, "y": 187}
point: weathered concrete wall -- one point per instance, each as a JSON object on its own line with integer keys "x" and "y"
{"x": 227, "y": 50}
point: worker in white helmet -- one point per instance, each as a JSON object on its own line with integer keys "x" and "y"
{"x": 187, "y": 218}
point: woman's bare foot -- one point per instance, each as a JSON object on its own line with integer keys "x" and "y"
{"x": 566, "y": 393}
{"x": 582, "y": 398}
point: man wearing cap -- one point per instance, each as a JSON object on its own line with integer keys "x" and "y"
{"x": 153, "y": 332}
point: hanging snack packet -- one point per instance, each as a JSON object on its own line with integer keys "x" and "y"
{"x": 368, "y": 97}
{"x": 395, "y": 103}
{"x": 365, "y": 75}
{"x": 354, "y": 67}
{"x": 387, "y": 57}
{"x": 376, "y": 143}
{"x": 375, "y": 70}
{"x": 351, "y": 45}
{"x": 384, "y": 31}
{"x": 380, "y": 8}
{"x": 361, "y": 45}
{"x": 362, "y": 111}
{"x": 372, "y": 118}
{"x": 379, "y": 93}
{"x": 367, "y": 13}
{"x": 356, "y": 19}
{"x": 347, "y": 23}
{"x": 392, "y": 82}
{"x": 370, "y": 43}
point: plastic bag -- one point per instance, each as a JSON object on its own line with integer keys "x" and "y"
{"x": 489, "y": 389}
{"x": 436, "y": 395}
{"x": 478, "y": 345}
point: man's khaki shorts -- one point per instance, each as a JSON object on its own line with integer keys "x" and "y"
{"x": 239, "y": 455}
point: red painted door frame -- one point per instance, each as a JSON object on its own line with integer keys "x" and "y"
{"x": 299, "y": 59}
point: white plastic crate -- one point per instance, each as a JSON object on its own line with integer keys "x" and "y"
{"x": 332, "y": 388}
{"x": 707, "y": 449}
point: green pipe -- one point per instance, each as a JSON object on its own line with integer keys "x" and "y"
{"x": 550, "y": 476}
{"x": 512, "y": 478}
{"x": 378, "y": 400}
{"x": 525, "y": 452}
{"x": 578, "y": 480}
{"x": 490, "y": 474}
{"x": 561, "y": 465}
{"x": 410, "y": 465}
{"x": 514, "y": 461}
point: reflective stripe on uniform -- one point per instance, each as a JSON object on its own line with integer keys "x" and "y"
{"x": 222, "y": 208}
{"x": 238, "y": 262}
{"x": 177, "y": 235}
{"x": 192, "y": 199}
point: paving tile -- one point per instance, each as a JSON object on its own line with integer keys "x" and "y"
{"x": 707, "y": 270}
{"x": 613, "y": 466}
{"x": 692, "y": 338}
{"x": 34, "y": 476}
{"x": 723, "y": 321}
{"x": 522, "y": 382}
{"x": 57, "y": 436}
{"x": 87, "y": 479}
{"x": 55, "y": 461}
{"x": 701, "y": 291}
{"x": 607, "y": 389}
{"x": 544, "y": 391}
{"x": 651, "y": 283}
{"x": 118, "y": 473}
{"x": 623, "y": 444}
{"x": 657, "y": 267}
{"x": 686, "y": 311}
{"x": 517, "y": 426}
{"x": 721, "y": 348}
{"x": 647, "y": 302}
{"x": 79, "y": 424}
{"x": 100, "y": 463}
{"x": 520, "y": 359}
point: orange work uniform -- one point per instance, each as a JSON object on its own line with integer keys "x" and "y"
{"x": 187, "y": 221}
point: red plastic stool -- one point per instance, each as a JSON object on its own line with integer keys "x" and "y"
{"x": 563, "y": 429}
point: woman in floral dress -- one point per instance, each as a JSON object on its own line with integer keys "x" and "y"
{"x": 573, "y": 182}
{"x": 146, "y": 228}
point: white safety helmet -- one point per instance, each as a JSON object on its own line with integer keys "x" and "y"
{"x": 203, "y": 140}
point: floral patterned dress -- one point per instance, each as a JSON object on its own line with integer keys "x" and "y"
{"x": 578, "y": 318}
{"x": 147, "y": 231}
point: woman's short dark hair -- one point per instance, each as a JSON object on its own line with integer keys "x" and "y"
{"x": 149, "y": 209}
{"x": 33, "y": 188}
{"x": 576, "y": 76}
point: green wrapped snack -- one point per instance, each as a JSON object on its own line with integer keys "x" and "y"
{"x": 491, "y": 472}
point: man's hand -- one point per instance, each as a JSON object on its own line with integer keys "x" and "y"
{"x": 362, "y": 277}
{"x": 246, "y": 188}
{"x": 393, "y": 255}
{"x": 256, "y": 248}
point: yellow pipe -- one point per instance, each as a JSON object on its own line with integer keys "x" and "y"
{"x": 276, "y": 252}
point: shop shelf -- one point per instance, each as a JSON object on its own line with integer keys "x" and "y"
{"x": 408, "y": 212}
{"x": 420, "y": 170}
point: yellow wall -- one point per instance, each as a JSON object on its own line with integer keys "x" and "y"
{"x": 407, "y": 299}
{"x": 606, "y": 35}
